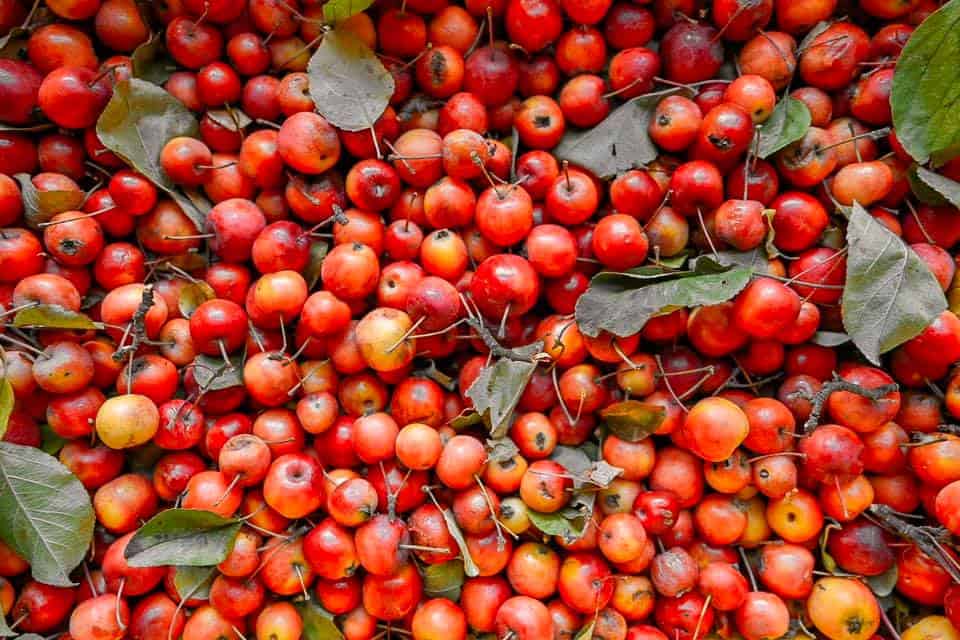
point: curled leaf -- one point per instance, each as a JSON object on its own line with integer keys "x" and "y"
{"x": 213, "y": 374}
{"x": 193, "y": 295}
{"x": 52, "y": 316}
{"x": 444, "y": 580}
{"x": 497, "y": 390}
{"x": 150, "y": 60}
{"x": 318, "y": 251}
{"x": 501, "y": 450}
{"x": 40, "y": 206}
{"x": 349, "y": 85}
{"x": 944, "y": 188}
{"x": 6, "y": 404}
{"x": 632, "y": 420}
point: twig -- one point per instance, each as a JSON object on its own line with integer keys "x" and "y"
{"x": 922, "y": 537}
{"x": 839, "y": 384}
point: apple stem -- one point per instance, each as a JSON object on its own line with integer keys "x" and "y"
{"x": 406, "y": 334}
{"x": 746, "y": 565}
{"x": 116, "y": 609}
{"x": 425, "y": 549}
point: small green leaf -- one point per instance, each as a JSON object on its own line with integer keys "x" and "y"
{"x": 40, "y": 206}
{"x": 552, "y": 524}
{"x": 51, "y": 442}
{"x": 883, "y": 584}
{"x": 349, "y": 85}
{"x": 318, "y": 251}
{"x": 621, "y": 305}
{"x": 948, "y": 190}
{"x": 828, "y": 562}
{"x": 465, "y": 420}
{"x": 620, "y": 142}
{"x": 337, "y": 11}
{"x": 318, "y": 623}
{"x": 7, "y": 401}
{"x": 213, "y": 374}
{"x": 788, "y": 123}
{"x": 193, "y": 582}
{"x": 632, "y": 420}
{"x": 192, "y": 295}
{"x": 497, "y": 390}
{"x": 890, "y": 295}
{"x": 926, "y": 88}
{"x": 137, "y": 123}
{"x": 47, "y": 515}
{"x": 52, "y": 316}
{"x": 444, "y": 580}
{"x": 185, "y": 537}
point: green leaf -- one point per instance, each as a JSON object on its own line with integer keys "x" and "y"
{"x": 632, "y": 420}
{"x": 318, "y": 251}
{"x": 926, "y": 88}
{"x": 185, "y": 537}
{"x": 349, "y": 85}
{"x": 318, "y": 623}
{"x": 151, "y": 62}
{"x": 337, "y": 11}
{"x": 192, "y": 295}
{"x": 553, "y": 524}
{"x": 47, "y": 516}
{"x": 40, "y": 206}
{"x": 136, "y": 124}
{"x": 890, "y": 295}
{"x": 52, "y": 316}
{"x": 444, "y": 580}
{"x": 51, "y": 442}
{"x": 946, "y": 189}
{"x": 622, "y": 305}
{"x": 497, "y": 390}
{"x": 465, "y": 420}
{"x": 193, "y": 582}
{"x": 213, "y": 374}
{"x": 788, "y": 123}
{"x": 830, "y": 338}
{"x": 883, "y": 584}
{"x": 620, "y": 142}
{"x": 7, "y": 401}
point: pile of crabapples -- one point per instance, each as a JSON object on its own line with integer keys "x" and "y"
{"x": 298, "y": 358}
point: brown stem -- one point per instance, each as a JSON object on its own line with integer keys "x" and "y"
{"x": 838, "y": 384}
